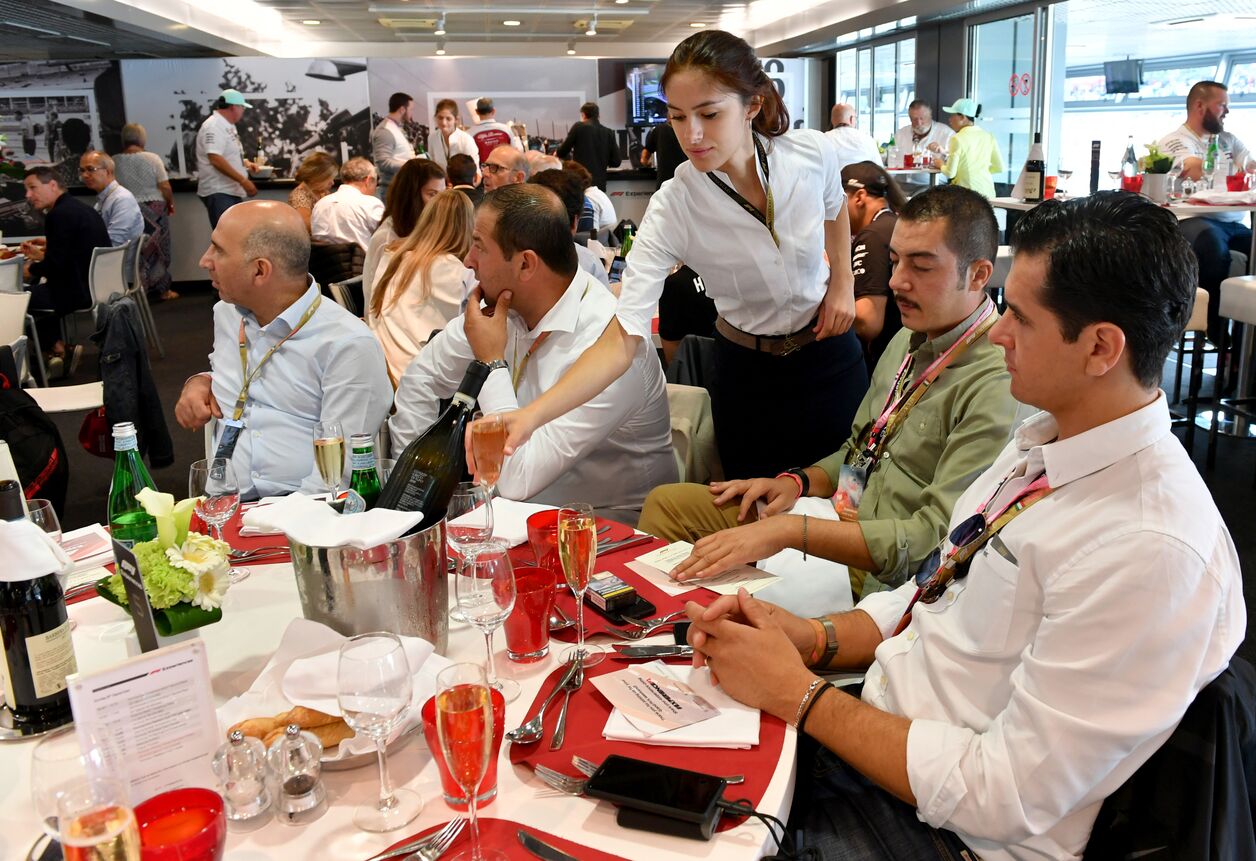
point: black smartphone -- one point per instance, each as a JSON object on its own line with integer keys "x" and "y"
{"x": 660, "y": 790}
{"x": 617, "y": 269}
{"x": 638, "y": 609}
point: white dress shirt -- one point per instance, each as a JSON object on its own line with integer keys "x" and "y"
{"x": 347, "y": 215}
{"x": 853, "y": 145}
{"x": 390, "y": 149}
{"x": 609, "y": 452}
{"x": 459, "y": 142}
{"x": 120, "y": 212}
{"x": 939, "y": 133}
{"x": 383, "y": 236}
{"x": 1182, "y": 143}
{"x": 218, "y": 137}
{"x": 591, "y": 263}
{"x": 405, "y": 325}
{"x": 604, "y": 217}
{"x": 756, "y": 286}
{"x": 1040, "y": 682}
{"x": 331, "y": 370}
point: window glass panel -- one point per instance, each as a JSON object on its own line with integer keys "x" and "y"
{"x": 1243, "y": 79}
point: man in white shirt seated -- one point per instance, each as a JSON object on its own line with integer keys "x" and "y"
{"x": 352, "y": 212}
{"x": 922, "y": 130}
{"x": 1088, "y": 590}
{"x": 852, "y": 144}
{"x": 390, "y": 148}
{"x": 308, "y": 359}
{"x": 1211, "y": 238}
{"x": 542, "y": 313}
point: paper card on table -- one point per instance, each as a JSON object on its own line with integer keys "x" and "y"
{"x": 152, "y": 717}
{"x": 735, "y": 726}
{"x": 656, "y": 567}
{"x": 659, "y": 702}
{"x": 88, "y": 547}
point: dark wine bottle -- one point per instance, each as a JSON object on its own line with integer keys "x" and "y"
{"x": 424, "y": 476}
{"x": 1035, "y": 172}
{"x": 34, "y": 635}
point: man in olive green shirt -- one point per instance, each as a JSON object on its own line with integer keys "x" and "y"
{"x": 943, "y": 249}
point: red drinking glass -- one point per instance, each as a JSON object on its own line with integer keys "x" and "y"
{"x": 1236, "y": 182}
{"x": 543, "y": 539}
{"x": 1132, "y": 183}
{"x": 527, "y": 626}
{"x": 450, "y": 789}
{"x": 187, "y": 824}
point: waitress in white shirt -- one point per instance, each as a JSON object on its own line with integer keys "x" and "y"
{"x": 755, "y": 209}
{"x": 449, "y": 139}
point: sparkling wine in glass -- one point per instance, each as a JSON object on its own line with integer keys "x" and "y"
{"x": 488, "y": 444}
{"x": 329, "y": 455}
{"x": 485, "y": 588}
{"x": 57, "y": 765}
{"x": 470, "y": 499}
{"x": 577, "y": 551}
{"x": 96, "y": 823}
{"x": 464, "y": 725}
{"x": 374, "y": 686}
{"x": 212, "y": 483}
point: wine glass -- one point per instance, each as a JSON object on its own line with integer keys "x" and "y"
{"x": 57, "y": 764}
{"x": 96, "y": 822}
{"x": 1115, "y": 176}
{"x": 212, "y": 483}
{"x": 1174, "y": 173}
{"x": 42, "y": 514}
{"x": 488, "y": 444}
{"x": 464, "y": 725}
{"x": 467, "y": 497}
{"x": 577, "y": 551}
{"x": 485, "y": 587}
{"x": 1065, "y": 175}
{"x": 329, "y": 455}
{"x": 374, "y": 686}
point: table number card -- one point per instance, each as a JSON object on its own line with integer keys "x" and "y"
{"x": 128, "y": 568}
{"x": 153, "y": 718}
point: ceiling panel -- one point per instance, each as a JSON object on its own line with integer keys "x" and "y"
{"x": 44, "y": 30}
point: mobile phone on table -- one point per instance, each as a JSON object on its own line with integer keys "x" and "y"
{"x": 666, "y": 795}
{"x": 617, "y": 269}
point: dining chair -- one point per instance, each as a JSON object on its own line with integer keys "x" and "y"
{"x": 139, "y": 294}
{"x": 12, "y": 331}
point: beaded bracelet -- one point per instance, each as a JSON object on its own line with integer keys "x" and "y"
{"x": 803, "y": 723}
{"x": 806, "y": 697}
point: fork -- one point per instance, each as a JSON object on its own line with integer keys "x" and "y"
{"x": 427, "y": 848}
{"x": 557, "y": 780}
{"x": 588, "y": 766}
{"x": 259, "y": 551}
{"x": 642, "y": 632}
{"x": 572, "y": 685}
{"x": 645, "y": 623}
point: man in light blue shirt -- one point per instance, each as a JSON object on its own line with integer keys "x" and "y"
{"x": 324, "y": 364}
{"x": 116, "y": 205}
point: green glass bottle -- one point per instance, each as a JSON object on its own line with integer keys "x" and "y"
{"x": 365, "y": 477}
{"x": 1210, "y": 160}
{"x": 129, "y": 523}
{"x": 626, "y": 246}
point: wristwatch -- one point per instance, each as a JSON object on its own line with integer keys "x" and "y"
{"x": 494, "y": 365}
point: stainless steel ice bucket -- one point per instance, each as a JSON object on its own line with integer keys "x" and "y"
{"x": 401, "y": 586}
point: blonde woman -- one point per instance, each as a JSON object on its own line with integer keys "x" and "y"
{"x": 422, "y": 282}
{"x": 315, "y": 177}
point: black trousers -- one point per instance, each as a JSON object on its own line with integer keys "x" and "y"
{"x": 776, "y": 412}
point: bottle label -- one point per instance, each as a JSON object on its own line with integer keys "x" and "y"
{"x": 464, "y": 399}
{"x": 364, "y": 459}
{"x": 6, "y": 674}
{"x": 414, "y": 495}
{"x": 52, "y": 659}
{"x": 125, "y": 443}
{"x": 1033, "y": 185}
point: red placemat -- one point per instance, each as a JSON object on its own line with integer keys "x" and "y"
{"x": 231, "y": 534}
{"x": 588, "y": 713}
{"x": 502, "y": 834}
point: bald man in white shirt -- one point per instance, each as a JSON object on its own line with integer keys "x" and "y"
{"x": 853, "y": 145}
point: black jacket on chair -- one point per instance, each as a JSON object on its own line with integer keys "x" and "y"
{"x": 130, "y": 391}
{"x": 593, "y": 145}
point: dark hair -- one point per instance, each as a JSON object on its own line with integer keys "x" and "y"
{"x": 404, "y": 200}
{"x": 1201, "y": 89}
{"x": 581, "y": 172}
{"x": 732, "y": 63}
{"x": 397, "y": 101}
{"x": 44, "y": 174}
{"x": 919, "y": 103}
{"x": 530, "y": 217}
{"x": 1114, "y": 257}
{"x": 461, "y": 169}
{"x": 76, "y": 135}
{"x": 567, "y": 186}
{"x": 446, "y": 105}
{"x": 972, "y": 233}
{"x": 873, "y": 179}
{"x": 591, "y": 110}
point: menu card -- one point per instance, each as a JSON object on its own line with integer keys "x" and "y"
{"x": 152, "y": 718}
{"x": 656, "y": 566}
{"x": 660, "y": 702}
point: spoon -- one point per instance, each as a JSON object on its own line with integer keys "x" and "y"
{"x": 559, "y": 620}
{"x": 534, "y": 729}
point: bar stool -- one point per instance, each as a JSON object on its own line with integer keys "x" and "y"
{"x": 1238, "y": 303}
{"x": 1197, "y": 327}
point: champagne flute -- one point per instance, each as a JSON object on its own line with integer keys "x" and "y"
{"x": 374, "y": 686}
{"x": 464, "y": 725}
{"x": 485, "y": 588}
{"x": 212, "y": 483}
{"x": 577, "y": 550}
{"x": 329, "y": 455}
{"x": 96, "y": 823}
{"x": 467, "y": 497}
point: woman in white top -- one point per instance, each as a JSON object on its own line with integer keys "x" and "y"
{"x": 449, "y": 139}
{"x": 421, "y": 287}
{"x": 412, "y": 188}
{"x": 755, "y": 209}
{"x": 144, "y": 175}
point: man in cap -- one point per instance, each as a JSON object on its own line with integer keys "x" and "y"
{"x": 972, "y": 154}
{"x": 222, "y": 172}
{"x": 488, "y": 133}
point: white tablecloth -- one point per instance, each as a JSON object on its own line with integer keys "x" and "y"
{"x": 256, "y": 613}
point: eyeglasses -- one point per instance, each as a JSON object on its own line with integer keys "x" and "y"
{"x": 92, "y": 169}
{"x": 493, "y": 169}
{"x": 935, "y": 572}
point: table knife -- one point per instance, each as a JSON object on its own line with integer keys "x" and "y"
{"x": 541, "y": 849}
{"x": 668, "y": 651}
{"x": 615, "y": 546}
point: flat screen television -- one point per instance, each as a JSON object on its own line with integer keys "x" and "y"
{"x": 646, "y": 105}
{"x": 1123, "y": 76}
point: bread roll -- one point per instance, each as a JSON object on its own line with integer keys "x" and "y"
{"x": 256, "y": 727}
{"x": 306, "y": 718}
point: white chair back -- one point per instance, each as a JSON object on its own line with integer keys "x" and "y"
{"x": 13, "y": 316}
{"x": 107, "y": 274}
{"x": 11, "y": 274}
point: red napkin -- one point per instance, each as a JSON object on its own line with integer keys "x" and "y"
{"x": 502, "y": 834}
{"x": 587, "y": 715}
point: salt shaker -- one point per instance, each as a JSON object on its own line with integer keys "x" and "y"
{"x": 296, "y": 760}
{"x": 240, "y": 766}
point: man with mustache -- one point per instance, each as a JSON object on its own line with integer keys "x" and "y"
{"x": 936, "y": 414}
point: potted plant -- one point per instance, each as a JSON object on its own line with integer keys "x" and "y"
{"x": 186, "y": 574}
{"x": 1156, "y": 166}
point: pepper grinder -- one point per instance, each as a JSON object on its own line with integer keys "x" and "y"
{"x": 240, "y": 766}
{"x": 296, "y": 760}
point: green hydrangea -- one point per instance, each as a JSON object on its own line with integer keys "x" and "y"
{"x": 166, "y": 585}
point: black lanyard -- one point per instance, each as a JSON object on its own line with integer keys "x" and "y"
{"x": 767, "y": 219}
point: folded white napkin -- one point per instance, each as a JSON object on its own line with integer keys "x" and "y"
{"x": 736, "y": 726}
{"x": 1219, "y": 197}
{"x": 315, "y": 523}
{"x": 510, "y": 519}
{"x": 812, "y": 584}
{"x": 311, "y": 681}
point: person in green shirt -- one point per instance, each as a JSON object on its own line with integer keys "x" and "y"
{"x": 927, "y": 442}
{"x": 972, "y": 155}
